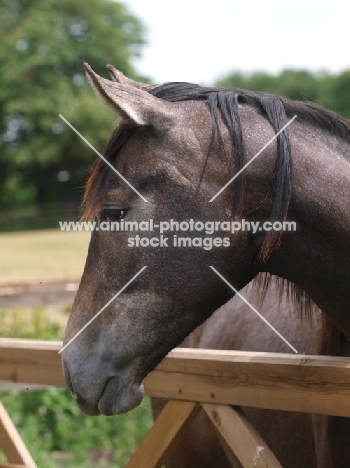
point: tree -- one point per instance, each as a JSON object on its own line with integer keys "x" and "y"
{"x": 330, "y": 91}
{"x": 43, "y": 46}
{"x": 336, "y": 93}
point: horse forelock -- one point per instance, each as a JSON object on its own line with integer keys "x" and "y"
{"x": 100, "y": 174}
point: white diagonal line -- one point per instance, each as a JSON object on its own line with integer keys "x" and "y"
{"x": 254, "y": 157}
{"x": 254, "y": 310}
{"x": 104, "y": 159}
{"x": 100, "y": 311}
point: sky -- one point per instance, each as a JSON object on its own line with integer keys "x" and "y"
{"x": 202, "y": 41}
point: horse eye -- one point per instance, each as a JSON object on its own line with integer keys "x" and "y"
{"x": 112, "y": 214}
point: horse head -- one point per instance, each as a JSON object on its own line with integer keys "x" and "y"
{"x": 161, "y": 148}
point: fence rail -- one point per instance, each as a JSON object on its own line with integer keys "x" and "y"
{"x": 308, "y": 384}
{"x": 210, "y": 379}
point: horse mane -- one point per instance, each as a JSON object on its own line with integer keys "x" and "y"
{"x": 223, "y": 103}
{"x": 307, "y": 112}
{"x": 330, "y": 340}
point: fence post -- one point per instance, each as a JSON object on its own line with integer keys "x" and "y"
{"x": 164, "y": 434}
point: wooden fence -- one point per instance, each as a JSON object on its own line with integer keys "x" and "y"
{"x": 191, "y": 379}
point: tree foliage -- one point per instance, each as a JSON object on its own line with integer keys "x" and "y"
{"x": 50, "y": 421}
{"x": 43, "y": 46}
{"x": 329, "y": 90}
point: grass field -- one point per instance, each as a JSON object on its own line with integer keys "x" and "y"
{"x": 35, "y": 256}
{"x": 55, "y": 431}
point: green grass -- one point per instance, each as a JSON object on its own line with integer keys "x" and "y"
{"x": 48, "y": 255}
{"x": 45, "y": 323}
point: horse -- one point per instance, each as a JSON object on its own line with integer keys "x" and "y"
{"x": 176, "y": 152}
{"x": 234, "y": 326}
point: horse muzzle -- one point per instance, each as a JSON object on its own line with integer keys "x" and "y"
{"x": 103, "y": 390}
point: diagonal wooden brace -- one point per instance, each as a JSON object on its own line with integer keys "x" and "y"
{"x": 241, "y": 437}
{"x": 164, "y": 434}
{"x": 12, "y": 444}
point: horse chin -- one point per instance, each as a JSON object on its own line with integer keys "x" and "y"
{"x": 118, "y": 398}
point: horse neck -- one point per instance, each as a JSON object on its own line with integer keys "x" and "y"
{"x": 316, "y": 256}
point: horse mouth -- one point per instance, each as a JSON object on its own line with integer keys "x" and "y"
{"x": 119, "y": 397}
{"x": 121, "y": 392}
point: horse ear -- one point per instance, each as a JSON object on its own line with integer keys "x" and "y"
{"x": 131, "y": 102}
{"x": 119, "y": 77}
